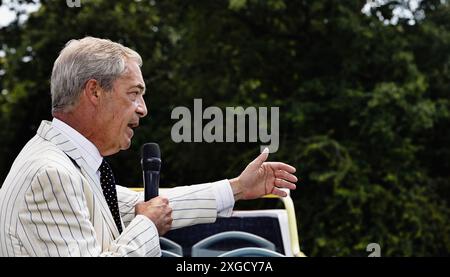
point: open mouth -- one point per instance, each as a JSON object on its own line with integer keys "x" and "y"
{"x": 133, "y": 125}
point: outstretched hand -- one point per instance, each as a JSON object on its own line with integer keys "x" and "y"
{"x": 260, "y": 178}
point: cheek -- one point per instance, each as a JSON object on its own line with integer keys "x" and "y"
{"x": 125, "y": 118}
{"x": 121, "y": 116}
{"x": 108, "y": 114}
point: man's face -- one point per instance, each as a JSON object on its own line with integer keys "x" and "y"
{"x": 121, "y": 110}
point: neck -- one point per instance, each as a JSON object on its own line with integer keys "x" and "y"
{"x": 81, "y": 121}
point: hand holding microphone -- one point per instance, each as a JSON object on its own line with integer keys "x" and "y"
{"x": 158, "y": 211}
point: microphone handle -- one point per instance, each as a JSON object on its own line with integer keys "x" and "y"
{"x": 151, "y": 184}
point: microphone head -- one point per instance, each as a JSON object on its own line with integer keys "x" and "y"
{"x": 151, "y": 157}
{"x": 151, "y": 150}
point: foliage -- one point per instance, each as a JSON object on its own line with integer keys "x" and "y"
{"x": 364, "y": 105}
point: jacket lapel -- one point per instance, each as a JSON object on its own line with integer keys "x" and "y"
{"x": 53, "y": 135}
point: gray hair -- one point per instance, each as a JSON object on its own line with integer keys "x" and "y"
{"x": 85, "y": 59}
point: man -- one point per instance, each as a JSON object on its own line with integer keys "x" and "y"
{"x": 60, "y": 198}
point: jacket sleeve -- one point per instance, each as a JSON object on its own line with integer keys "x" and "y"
{"x": 191, "y": 205}
{"x": 56, "y": 220}
{"x": 128, "y": 199}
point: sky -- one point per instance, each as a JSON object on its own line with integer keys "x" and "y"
{"x": 7, "y": 16}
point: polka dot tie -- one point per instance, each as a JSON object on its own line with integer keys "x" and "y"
{"x": 109, "y": 191}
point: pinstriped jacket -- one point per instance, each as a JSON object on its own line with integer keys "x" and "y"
{"x": 50, "y": 205}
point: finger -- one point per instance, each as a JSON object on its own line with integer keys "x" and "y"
{"x": 167, "y": 211}
{"x": 169, "y": 224}
{"x": 164, "y": 200}
{"x": 163, "y": 231}
{"x": 286, "y": 176}
{"x": 280, "y": 183}
{"x": 279, "y": 192}
{"x": 261, "y": 158}
{"x": 281, "y": 166}
{"x": 159, "y": 206}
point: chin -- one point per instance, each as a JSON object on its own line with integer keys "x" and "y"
{"x": 126, "y": 145}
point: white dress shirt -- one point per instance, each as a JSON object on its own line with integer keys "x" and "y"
{"x": 222, "y": 189}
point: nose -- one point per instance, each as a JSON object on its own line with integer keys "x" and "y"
{"x": 141, "y": 108}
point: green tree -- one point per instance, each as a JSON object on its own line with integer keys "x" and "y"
{"x": 364, "y": 105}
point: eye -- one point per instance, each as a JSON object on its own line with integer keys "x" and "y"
{"x": 133, "y": 94}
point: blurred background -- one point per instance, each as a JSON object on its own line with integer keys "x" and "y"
{"x": 363, "y": 89}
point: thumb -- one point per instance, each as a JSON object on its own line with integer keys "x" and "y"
{"x": 261, "y": 158}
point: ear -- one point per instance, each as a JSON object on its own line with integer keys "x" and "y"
{"x": 92, "y": 91}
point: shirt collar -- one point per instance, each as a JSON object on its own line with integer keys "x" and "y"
{"x": 87, "y": 149}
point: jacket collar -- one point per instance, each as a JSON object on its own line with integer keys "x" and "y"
{"x": 61, "y": 141}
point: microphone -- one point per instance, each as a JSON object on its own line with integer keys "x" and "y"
{"x": 151, "y": 165}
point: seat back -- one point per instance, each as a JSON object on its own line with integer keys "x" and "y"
{"x": 268, "y": 224}
{"x": 218, "y": 244}
{"x": 165, "y": 253}
{"x": 251, "y": 252}
{"x": 170, "y": 246}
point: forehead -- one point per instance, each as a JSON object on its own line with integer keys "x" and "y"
{"x": 133, "y": 73}
{"x": 131, "y": 78}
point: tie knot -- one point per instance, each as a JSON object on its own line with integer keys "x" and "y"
{"x": 104, "y": 167}
{"x": 106, "y": 173}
